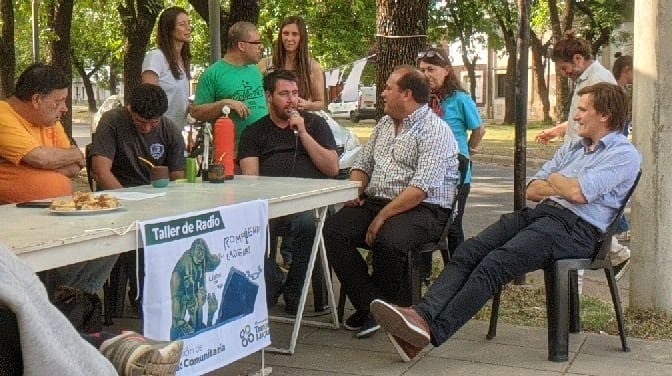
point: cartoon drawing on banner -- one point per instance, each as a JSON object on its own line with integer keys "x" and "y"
{"x": 188, "y": 291}
{"x": 238, "y": 297}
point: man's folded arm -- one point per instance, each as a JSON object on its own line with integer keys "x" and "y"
{"x": 48, "y": 158}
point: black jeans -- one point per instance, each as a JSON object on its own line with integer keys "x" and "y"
{"x": 519, "y": 243}
{"x": 346, "y": 230}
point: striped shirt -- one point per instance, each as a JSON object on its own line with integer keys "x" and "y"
{"x": 422, "y": 155}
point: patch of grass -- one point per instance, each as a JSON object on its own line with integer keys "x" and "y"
{"x": 524, "y": 305}
{"x": 81, "y": 114}
{"x": 499, "y": 139}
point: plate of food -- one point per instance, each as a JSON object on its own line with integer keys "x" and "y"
{"x": 85, "y": 203}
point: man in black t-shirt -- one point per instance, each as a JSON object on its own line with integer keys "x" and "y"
{"x": 123, "y": 136}
{"x": 138, "y": 130}
{"x": 287, "y": 143}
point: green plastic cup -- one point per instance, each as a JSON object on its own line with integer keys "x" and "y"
{"x": 190, "y": 170}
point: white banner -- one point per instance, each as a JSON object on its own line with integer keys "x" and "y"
{"x": 351, "y": 87}
{"x": 204, "y": 284}
{"x": 331, "y": 77}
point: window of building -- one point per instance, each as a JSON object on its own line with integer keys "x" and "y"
{"x": 501, "y": 85}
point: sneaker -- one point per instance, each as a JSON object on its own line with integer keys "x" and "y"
{"x": 369, "y": 328}
{"x": 405, "y": 323}
{"x": 356, "y": 321}
{"x": 620, "y": 269}
{"x": 406, "y": 351}
{"x": 132, "y": 354}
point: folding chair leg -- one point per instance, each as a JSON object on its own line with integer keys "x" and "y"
{"x": 556, "y": 279}
{"x": 494, "y": 315}
{"x": 618, "y": 309}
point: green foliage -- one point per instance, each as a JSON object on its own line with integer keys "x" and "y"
{"x": 465, "y": 21}
{"x": 593, "y": 19}
{"x": 341, "y": 31}
{"x": 95, "y": 49}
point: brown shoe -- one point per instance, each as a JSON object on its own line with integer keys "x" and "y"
{"x": 406, "y": 351}
{"x": 405, "y": 323}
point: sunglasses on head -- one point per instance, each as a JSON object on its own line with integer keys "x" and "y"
{"x": 430, "y": 54}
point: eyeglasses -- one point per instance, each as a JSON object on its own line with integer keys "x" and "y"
{"x": 430, "y": 54}
{"x": 257, "y": 42}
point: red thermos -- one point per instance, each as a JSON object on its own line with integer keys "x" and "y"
{"x": 225, "y": 137}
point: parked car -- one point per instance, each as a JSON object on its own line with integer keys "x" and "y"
{"x": 347, "y": 144}
{"x": 362, "y": 114}
{"x": 341, "y": 109}
{"x": 366, "y": 104}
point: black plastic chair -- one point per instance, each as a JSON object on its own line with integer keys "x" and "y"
{"x": 419, "y": 263}
{"x": 89, "y": 167}
{"x": 562, "y": 294}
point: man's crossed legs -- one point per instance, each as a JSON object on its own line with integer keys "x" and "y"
{"x": 518, "y": 243}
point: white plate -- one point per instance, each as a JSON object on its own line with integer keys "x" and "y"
{"x": 83, "y": 212}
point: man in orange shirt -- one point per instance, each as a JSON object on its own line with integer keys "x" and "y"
{"x": 37, "y": 160}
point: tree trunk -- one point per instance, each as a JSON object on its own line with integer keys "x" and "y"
{"x": 401, "y": 28}
{"x": 558, "y": 27}
{"x": 60, "y": 21}
{"x": 8, "y": 55}
{"x": 507, "y": 24}
{"x": 471, "y": 70}
{"x": 114, "y": 78}
{"x": 138, "y": 18}
{"x": 88, "y": 87}
{"x": 240, "y": 10}
{"x": 539, "y": 50}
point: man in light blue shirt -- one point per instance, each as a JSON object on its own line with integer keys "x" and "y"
{"x": 579, "y": 193}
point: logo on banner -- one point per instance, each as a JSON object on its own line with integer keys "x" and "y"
{"x": 246, "y": 336}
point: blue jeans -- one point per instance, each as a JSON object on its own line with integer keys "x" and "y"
{"x": 301, "y": 228}
{"x": 519, "y": 243}
{"x": 622, "y": 225}
{"x": 88, "y": 276}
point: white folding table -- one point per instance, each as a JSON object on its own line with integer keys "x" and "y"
{"x": 45, "y": 240}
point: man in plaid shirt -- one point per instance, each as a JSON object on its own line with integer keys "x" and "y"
{"x": 409, "y": 174}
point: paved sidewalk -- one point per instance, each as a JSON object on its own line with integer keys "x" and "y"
{"x": 515, "y": 350}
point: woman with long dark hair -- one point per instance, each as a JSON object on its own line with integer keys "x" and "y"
{"x": 290, "y": 52}
{"x": 455, "y": 106}
{"x": 168, "y": 65}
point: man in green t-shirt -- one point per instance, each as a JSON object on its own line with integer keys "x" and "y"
{"x": 234, "y": 81}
